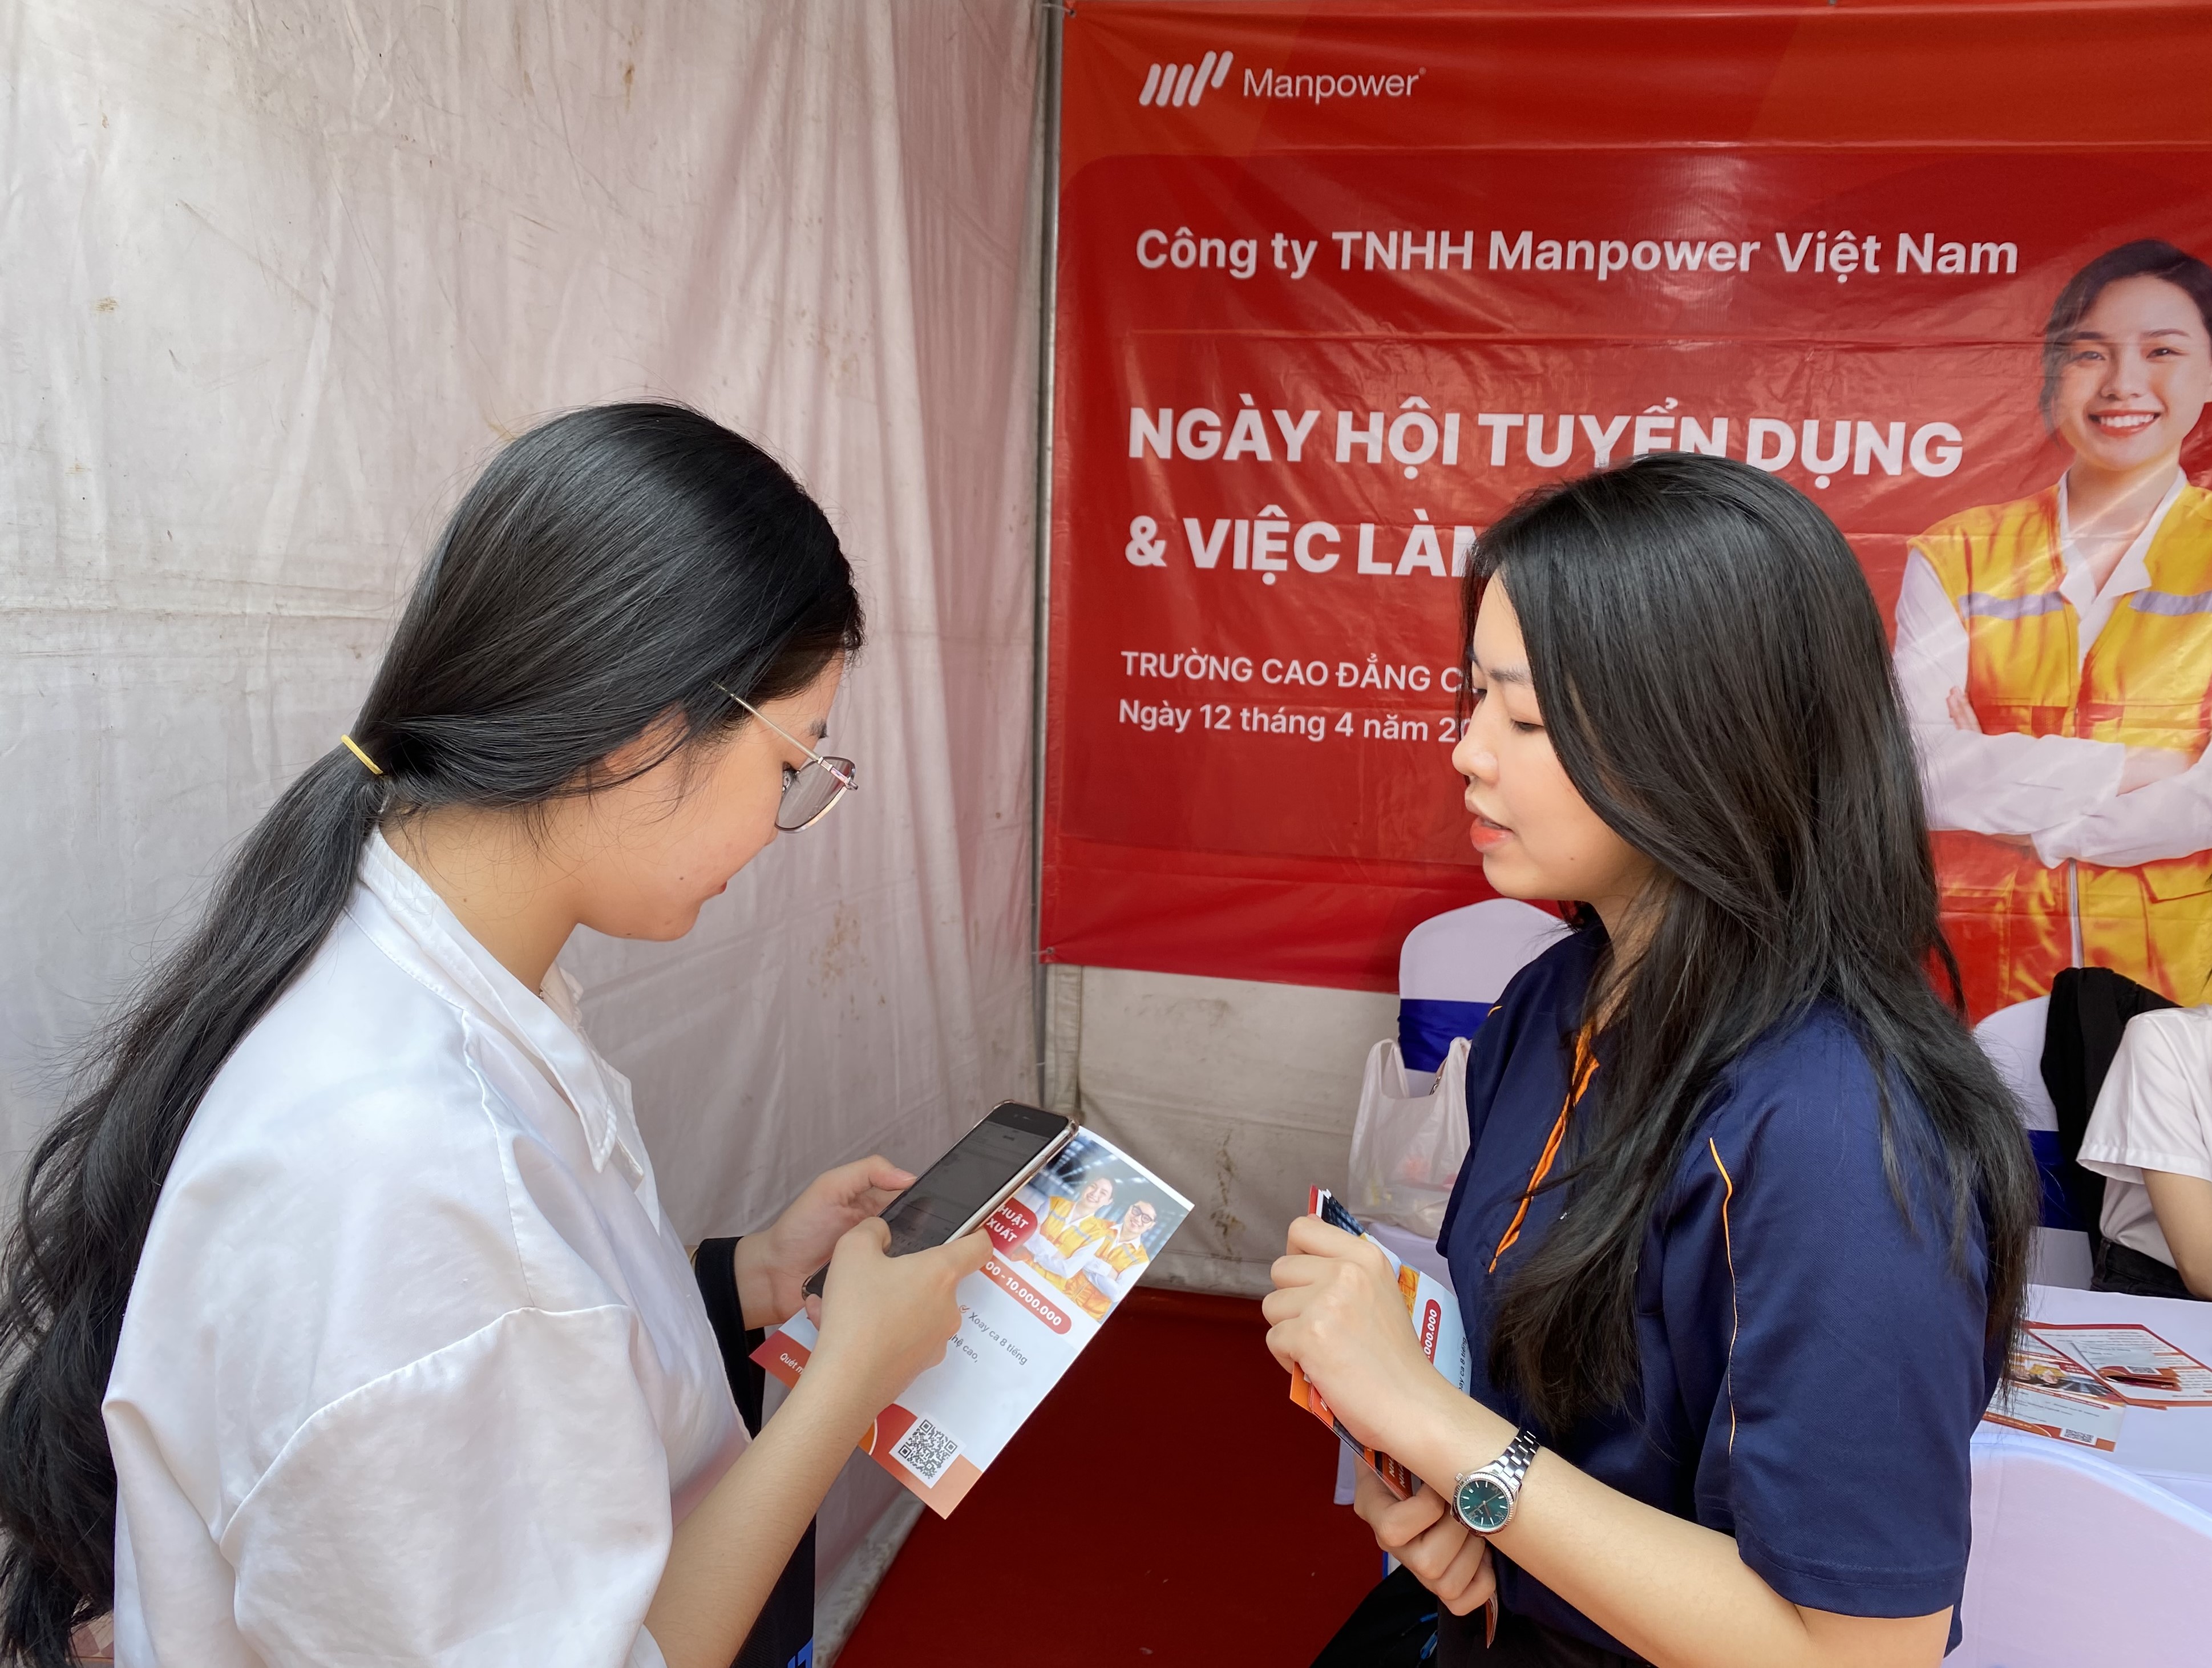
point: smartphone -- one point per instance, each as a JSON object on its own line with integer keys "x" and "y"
{"x": 958, "y": 1193}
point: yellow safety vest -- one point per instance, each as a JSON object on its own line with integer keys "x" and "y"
{"x": 1065, "y": 1229}
{"x": 1120, "y": 1258}
{"x": 1066, "y": 1232}
{"x": 2146, "y": 681}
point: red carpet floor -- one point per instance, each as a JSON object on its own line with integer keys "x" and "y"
{"x": 1179, "y": 1500}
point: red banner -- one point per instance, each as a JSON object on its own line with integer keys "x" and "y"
{"x": 1337, "y": 283}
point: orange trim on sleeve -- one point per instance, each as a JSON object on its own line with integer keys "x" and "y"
{"x": 1735, "y": 1308}
{"x": 1585, "y": 1068}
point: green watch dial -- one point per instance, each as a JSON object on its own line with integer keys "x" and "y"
{"x": 1484, "y": 1505}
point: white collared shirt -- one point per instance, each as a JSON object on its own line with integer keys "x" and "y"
{"x": 2154, "y": 1112}
{"x": 2063, "y": 791}
{"x": 413, "y": 1370}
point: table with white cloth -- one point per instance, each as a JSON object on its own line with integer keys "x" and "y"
{"x": 2169, "y": 1447}
{"x": 2084, "y": 1557}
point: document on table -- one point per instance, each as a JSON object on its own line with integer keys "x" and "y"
{"x": 2051, "y": 1394}
{"x": 2133, "y": 1363}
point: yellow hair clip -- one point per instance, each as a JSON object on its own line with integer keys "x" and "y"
{"x": 354, "y": 748}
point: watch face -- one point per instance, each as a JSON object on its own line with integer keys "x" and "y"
{"x": 1484, "y": 1505}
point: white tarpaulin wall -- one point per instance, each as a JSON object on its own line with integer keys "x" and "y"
{"x": 278, "y": 276}
{"x": 1244, "y": 1093}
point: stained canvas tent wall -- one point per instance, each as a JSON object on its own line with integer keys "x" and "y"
{"x": 279, "y": 278}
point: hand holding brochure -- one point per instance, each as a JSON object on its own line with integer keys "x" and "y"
{"x": 1065, "y": 1250}
{"x": 1434, "y": 1311}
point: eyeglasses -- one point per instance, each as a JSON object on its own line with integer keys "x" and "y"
{"x": 810, "y": 790}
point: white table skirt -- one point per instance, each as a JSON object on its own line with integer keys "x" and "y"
{"x": 2168, "y": 1447}
{"x": 2081, "y": 1557}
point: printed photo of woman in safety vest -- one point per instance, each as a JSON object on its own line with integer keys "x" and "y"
{"x": 2054, "y": 657}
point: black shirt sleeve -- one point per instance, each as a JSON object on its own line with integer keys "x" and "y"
{"x": 715, "y": 1267}
{"x": 783, "y": 1637}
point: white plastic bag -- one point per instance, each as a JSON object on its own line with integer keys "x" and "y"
{"x": 1407, "y": 1145}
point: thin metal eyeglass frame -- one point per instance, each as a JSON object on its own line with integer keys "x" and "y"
{"x": 844, "y": 778}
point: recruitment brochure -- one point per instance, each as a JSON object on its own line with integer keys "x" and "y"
{"x": 1435, "y": 1315}
{"x": 2132, "y": 1362}
{"x": 1064, "y": 1251}
{"x": 2049, "y": 1393}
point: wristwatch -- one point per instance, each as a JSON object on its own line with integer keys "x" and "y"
{"x": 1485, "y": 1498}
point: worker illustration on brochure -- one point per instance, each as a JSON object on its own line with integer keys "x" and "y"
{"x": 2047, "y": 1391}
{"x": 1065, "y": 1250}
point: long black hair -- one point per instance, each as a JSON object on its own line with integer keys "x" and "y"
{"x": 612, "y": 569}
{"x": 1715, "y": 679}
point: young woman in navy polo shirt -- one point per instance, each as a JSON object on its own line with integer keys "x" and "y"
{"x": 1744, "y": 1222}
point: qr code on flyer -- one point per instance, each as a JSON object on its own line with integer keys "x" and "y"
{"x": 925, "y": 1451}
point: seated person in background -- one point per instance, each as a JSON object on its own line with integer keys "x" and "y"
{"x": 2151, "y": 1137}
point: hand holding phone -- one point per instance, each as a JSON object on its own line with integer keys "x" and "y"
{"x": 889, "y": 1319}
{"x": 958, "y": 1193}
{"x": 773, "y": 1265}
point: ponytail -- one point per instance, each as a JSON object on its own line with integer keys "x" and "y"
{"x": 89, "y": 1191}
{"x": 609, "y": 568}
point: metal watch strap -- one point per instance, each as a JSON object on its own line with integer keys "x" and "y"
{"x": 1511, "y": 1466}
{"x": 1507, "y": 1472}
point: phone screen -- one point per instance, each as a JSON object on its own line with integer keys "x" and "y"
{"x": 968, "y": 1178}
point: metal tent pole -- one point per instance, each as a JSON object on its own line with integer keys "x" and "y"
{"x": 1048, "y": 245}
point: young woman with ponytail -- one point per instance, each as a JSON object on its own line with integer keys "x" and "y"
{"x": 341, "y": 1320}
{"x": 1743, "y": 1228}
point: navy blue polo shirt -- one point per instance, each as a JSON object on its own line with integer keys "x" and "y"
{"x": 1813, "y": 1364}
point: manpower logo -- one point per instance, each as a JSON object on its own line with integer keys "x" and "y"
{"x": 1180, "y": 84}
